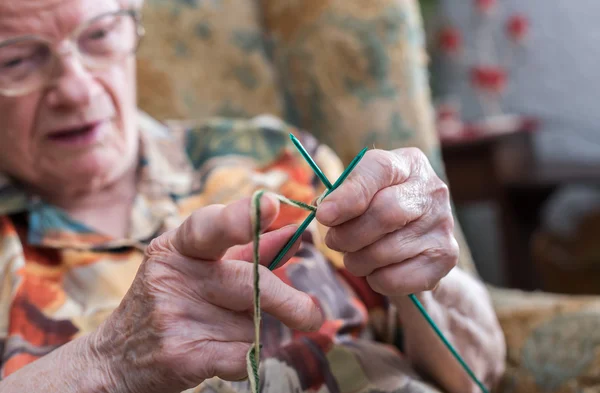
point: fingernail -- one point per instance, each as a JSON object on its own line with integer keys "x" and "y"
{"x": 328, "y": 212}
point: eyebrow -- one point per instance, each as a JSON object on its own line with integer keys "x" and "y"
{"x": 53, "y": 27}
{"x": 15, "y": 8}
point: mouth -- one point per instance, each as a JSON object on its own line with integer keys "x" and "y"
{"x": 76, "y": 136}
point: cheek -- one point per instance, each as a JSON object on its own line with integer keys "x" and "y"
{"x": 17, "y": 141}
{"x": 119, "y": 83}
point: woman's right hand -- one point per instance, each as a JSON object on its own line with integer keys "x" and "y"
{"x": 188, "y": 314}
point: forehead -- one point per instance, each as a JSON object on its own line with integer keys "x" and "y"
{"x": 52, "y": 19}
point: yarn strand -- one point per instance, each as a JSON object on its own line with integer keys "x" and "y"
{"x": 253, "y": 355}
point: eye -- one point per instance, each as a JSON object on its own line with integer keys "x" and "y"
{"x": 13, "y": 63}
{"x": 23, "y": 59}
{"x": 98, "y": 34}
{"x": 101, "y": 29}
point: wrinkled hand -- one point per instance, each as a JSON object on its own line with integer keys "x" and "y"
{"x": 392, "y": 219}
{"x": 188, "y": 314}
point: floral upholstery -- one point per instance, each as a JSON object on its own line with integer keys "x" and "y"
{"x": 353, "y": 67}
{"x": 353, "y": 73}
{"x": 204, "y": 58}
{"x": 553, "y": 342}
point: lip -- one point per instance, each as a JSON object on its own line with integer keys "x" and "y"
{"x": 80, "y": 135}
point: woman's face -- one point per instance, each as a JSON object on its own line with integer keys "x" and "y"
{"x": 78, "y": 133}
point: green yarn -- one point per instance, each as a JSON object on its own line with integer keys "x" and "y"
{"x": 253, "y": 355}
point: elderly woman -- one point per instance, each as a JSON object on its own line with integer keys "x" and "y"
{"x": 124, "y": 249}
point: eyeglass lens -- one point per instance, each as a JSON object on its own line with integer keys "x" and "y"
{"x": 28, "y": 62}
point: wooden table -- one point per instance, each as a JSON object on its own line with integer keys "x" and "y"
{"x": 503, "y": 170}
{"x": 476, "y": 175}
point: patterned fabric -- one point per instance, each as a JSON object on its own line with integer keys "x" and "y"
{"x": 354, "y": 72}
{"x": 553, "y": 342}
{"x": 203, "y": 59}
{"x": 60, "y": 279}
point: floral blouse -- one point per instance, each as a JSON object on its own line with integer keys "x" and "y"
{"x": 60, "y": 279}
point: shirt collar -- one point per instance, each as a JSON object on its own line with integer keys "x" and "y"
{"x": 165, "y": 175}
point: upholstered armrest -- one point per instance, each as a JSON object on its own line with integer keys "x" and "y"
{"x": 553, "y": 341}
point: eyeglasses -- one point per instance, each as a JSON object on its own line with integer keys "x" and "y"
{"x": 29, "y": 63}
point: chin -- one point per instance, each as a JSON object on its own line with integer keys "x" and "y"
{"x": 95, "y": 170}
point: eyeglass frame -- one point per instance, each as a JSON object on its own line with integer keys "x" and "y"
{"x": 140, "y": 32}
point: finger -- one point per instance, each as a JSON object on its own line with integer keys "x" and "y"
{"x": 421, "y": 273}
{"x": 377, "y": 170}
{"x": 392, "y": 208}
{"x": 209, "y": 232}
{"x": 393, "y": 248}
{"x": 270, "y": 245}
{"x": 228, "y": 360}
{"x": 229, "y": 284}
{"x": 210, "y": 322}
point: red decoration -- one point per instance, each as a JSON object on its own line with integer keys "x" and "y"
{"x": 489, "y": 78}
{"x": 485, "y": 6}
{"x": 486, "y": 69}
{"x": 450, "y": 40}
{"x": 517, "y": 27}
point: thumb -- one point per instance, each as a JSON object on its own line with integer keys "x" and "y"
{"x": 209, "y": 232}
{"x": 270, "y": 245}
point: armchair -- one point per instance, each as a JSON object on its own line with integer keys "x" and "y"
{"x": 353, "y": 73}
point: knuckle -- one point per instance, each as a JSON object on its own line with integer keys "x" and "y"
{"x": 332, "y": 239}
{"x": 442, "y": 189}
{"x": 374, "y": 256}
{"x": 415, "y": 153}
{"x": 441, "y": 192}
{"x": 437, "y": 253}
{"x": 193, "y": 232}
{"x": 393, "y": 168}
{"x": 161, "y": 244}
{"x": 382, "y": 283}
{"x": 210, "y": 353}
{"x": 444, "y": 257}
{"x": 232, "y": 227}
{"x": 430, "y": 283}
{"x": 388, "y": 211}
{"x": 353, "y": 265}
{"x": 242, "y": 277}
{"x": 381, "y": 158}
{"x": 453, "y": 254}
{"x": 380, "y": 255}
{"x": 415, "y": 157}
{"x": 295, "y": 307}
{"x": 446, "y": 225}
{"x": 360, "y": 189}
{"x": 302, "y": 313}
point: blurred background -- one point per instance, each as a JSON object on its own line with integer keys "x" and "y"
{"x": 516, "y": 91}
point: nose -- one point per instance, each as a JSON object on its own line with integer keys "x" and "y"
{"x": 73, "y": 84}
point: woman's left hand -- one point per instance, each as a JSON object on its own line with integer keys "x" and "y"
{"x": 392, "y": 219}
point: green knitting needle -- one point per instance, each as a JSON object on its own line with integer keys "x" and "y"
{"x": 412, "y": 297}
{"x": 311, "y": 162}
{"x": 312, "y": 215}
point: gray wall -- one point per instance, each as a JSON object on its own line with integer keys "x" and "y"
{"x": 557, "y": 78}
